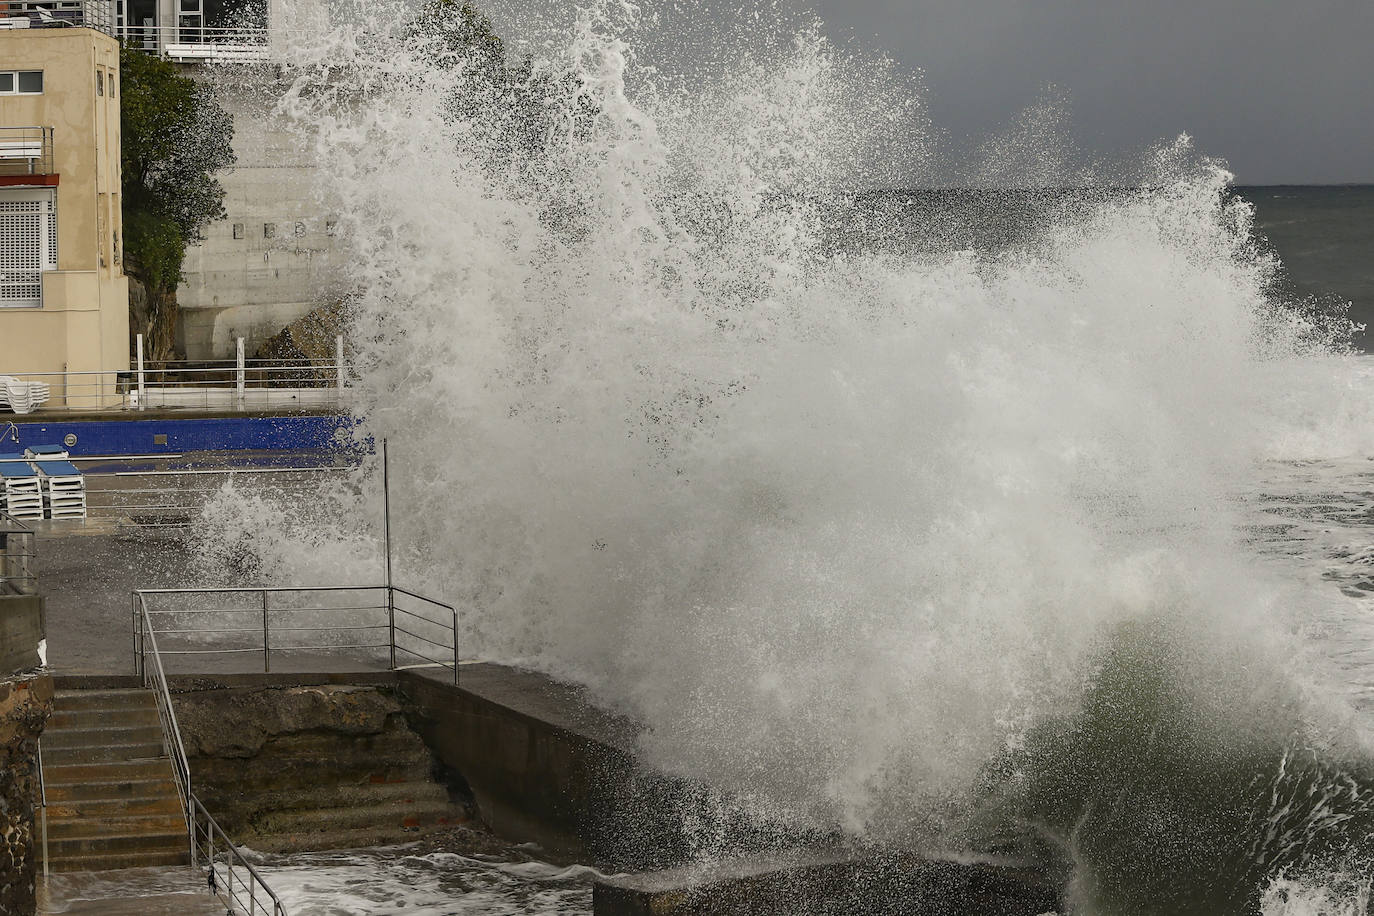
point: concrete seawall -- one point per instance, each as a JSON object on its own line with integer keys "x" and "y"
{"x": 545, "y": 765}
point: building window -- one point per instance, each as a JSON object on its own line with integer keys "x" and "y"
{"x": 28, "y": 246}
{"x": 238, "y": 230}
{"x": 21, "y": 82}
{"x": 99, "y": 83}
{"x": 269, "y": 230}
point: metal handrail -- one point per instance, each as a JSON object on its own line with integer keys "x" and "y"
{"x": 43, "y": 806}
{"x": 145, "y": 641}
{"x": 448, "y": 612}
{"x": 223, "y": 882}
{"x": 16, "y": 570}
{"x": 144, "y": 638}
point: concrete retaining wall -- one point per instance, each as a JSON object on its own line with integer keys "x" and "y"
{"x": 21, "y": 627}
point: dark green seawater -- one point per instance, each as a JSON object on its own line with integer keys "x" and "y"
{"x": 1325, "y": 237}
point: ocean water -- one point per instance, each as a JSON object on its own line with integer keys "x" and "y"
{"x": 1324, "y": 236}
{"x": 1023, "y": 520}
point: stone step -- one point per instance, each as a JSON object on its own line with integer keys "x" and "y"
{"x": 112, "y": 790}
{"x": 106, "y": 771}
{"x": 358, "y": 838}
{"x": 332, "y": 796}
{"x": 64, "y": 719}
{"x": 56, "y": 740}
{"x": 396, "y": 816}
{"x": 304, "y": 775}
{"x": 112, "y": 860}
{"x": 111, "y": 843}
{"x": 79, "y": 827}
{"x": 168, "y": 803}
{"x": 71, "y": 700}
{"x": 98, "y": 753}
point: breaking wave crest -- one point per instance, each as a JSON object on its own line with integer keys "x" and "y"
{"x": 902, "y": 512}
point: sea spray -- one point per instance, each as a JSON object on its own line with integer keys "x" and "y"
{"x": 841, "y": 524}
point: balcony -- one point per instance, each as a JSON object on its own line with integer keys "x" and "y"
{"x": 26, "y": 157}
{"x": 189, "y": 40}
{"x": 40, "y": 14}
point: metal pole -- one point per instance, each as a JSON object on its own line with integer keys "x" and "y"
{"x": 266, "y": 644}
{"x": 142, "y": 392}
{"x": 339, "y": 365}
{"x": 239, "y": 378}
{"x": 455, "y": 647}
{"x": 43, "y": 797}
{"x": 386, "y": 535}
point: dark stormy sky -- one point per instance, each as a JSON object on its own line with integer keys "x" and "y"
{"x": 1283, "y": 90}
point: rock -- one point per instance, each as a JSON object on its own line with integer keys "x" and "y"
{"x": 25, "y": 705}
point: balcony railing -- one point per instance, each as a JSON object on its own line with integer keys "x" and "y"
{"x": 93, "y": 14}
{"x": 25, "y": 151}
{"x": 189, "y": 39}
{"x": 196, "y": 42}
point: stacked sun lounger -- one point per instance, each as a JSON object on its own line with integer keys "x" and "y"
{"x": 21, "y": 491}
{"x": 21, "y": 396}
{"x": 63, "y": 487}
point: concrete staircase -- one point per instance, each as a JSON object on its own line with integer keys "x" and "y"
{"x": 312, "y": 767}
{"x": 112, "y": 798}
{"x": 327, "y": 791}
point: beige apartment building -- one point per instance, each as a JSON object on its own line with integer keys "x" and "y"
{"x": 64, "y": 299}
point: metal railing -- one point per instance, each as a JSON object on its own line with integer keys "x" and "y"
{"x": 17, "y": 552}
{"x": 26, "y": 151}
{"x": 387, "y": 623}
{"x": 94, "y": 14}
{"x": 174, "y": 498}
{"x": 42, "y": 806}
{"x": 224, "y": 859}
{"x": 229, "y": 384}
{"x": 191, "y": 41}
{"x": 250, "y": 894}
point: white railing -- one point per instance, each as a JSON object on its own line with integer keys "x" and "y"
{"x": 226, "y": 384}
{"x": 196, "y": 42}
{"x": 26, "y": 151}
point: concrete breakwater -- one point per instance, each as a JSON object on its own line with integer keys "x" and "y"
{"x": 295, "y": 762}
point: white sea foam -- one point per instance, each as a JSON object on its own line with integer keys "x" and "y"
{"x": 836, "y": 525}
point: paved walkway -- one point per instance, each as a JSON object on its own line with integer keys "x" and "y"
{"x": 128, "y": 892}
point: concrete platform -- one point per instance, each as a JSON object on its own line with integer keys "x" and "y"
{"x": 171, "y": 891}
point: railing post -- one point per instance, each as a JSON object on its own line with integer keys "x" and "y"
{"x": 43, "y": 797}
{"x": 339, "y": 366}
{"x": 239, "y": 378}
{"x": 133, "y": 614}
{"x": 142, "y": 391}
{"x": 266, "y": 641}
{"x": 391, "y": 623}
{"x": 455, "y": 647}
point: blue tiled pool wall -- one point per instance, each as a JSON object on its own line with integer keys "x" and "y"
{"x": 157, "y": 436}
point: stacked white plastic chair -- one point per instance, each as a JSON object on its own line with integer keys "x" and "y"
{"x": 64, "y": 488}
{"x": 22, "y": 396}
{"x": 23, "y": 494}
